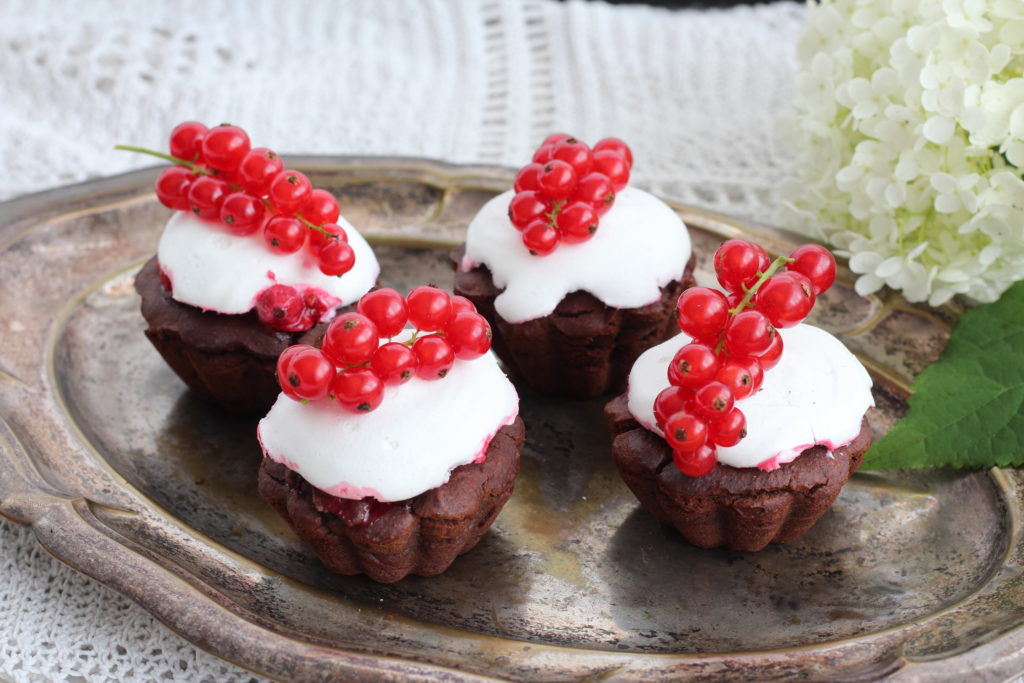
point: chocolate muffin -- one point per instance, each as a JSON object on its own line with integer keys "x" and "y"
{"x": 228, "y": 359}
{"x": 584, "y": 348}
{"x": 741, "y": 509}
{"x": 388, "y": 541}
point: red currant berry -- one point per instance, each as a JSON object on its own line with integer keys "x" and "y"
{"x": 693, "y": 366}
{"x": 280, "y": 307}
{"x": 749, "y": 333}
{"x": 729, "y": 429}
{"x": 528, "y": 178}
{"x": 770, "y": 358}
{"x": 736, "y": 298}
{"x": 816, "y": 263}
{"x": 317, "y": 240}
{"x": 387, "y": 309}
{"x": 618, "y": 146}
{"x": 543, "y": 154}
{"x": 358, "y": 389}
{"x": 540, "y": 238}
{"x": 284, "y": 235}
{"x": 350, "y": 338}
{"x": 610, "y": 164}
{"x": 555, "y": 138}
{"x": 702, "y": 312}
{"x": 172, "y": 187}
{"x": 242, "y": 213}
{"x": 206, "y": 195}
{"x": 289, "y": 190}
{"x": 670, "y": 401}
{"x": 461, "y": 303}
{"x": 187, "y": 140}
{"x": 336, "y": 258}
{"x": 595, "y": 189}
{"x": 785, "y": 298}
{"x": 713, "y": 400}
{"x": 696, "y": 463}
{"x": 434, "y": 356}
{"x": 527, "y": 206}
{"x": 394, "y": 363}
{"x": 307, "y": 375}
{"x": 429, "y": 308}
{"x": 230, "y": 177}
{"x": 756, "y": 370}
{"x": 282, "y": 363}
{"x": 738, "y": 264}
{"x": 469, "y": 335}
{"x": 685, "y": 431}
{"x": 224, "y": 147}
{"x": 577, "y": 222}
{"x": 257, "y": 169}
{"x": 737, "y": 375}
{"x": 321, "y": 208}
{"x": 557, "y": 180}
{"x": 574, "y": 153}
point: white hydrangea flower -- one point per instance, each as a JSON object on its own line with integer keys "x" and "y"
{"x": 908, "y": 139}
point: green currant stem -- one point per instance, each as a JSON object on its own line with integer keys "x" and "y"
{"x": 556, "y": 208}
{"x": 416, "y": 335}
{"x": 412, "y": 340}
{"x": 720, "y": 345}
{"x": 772, "y": 269}
{"x": 317, "y": 228}
{"x": 166, "y": 157}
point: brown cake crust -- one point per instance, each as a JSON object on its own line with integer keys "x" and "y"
{"x": 583, "y": 348}
{"x": 229, "y": 359}
{"x": 740, "y": 508}
{"x": 388, "y": 541}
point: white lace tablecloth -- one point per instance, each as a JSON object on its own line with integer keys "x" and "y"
{"x": 694, "y": 93}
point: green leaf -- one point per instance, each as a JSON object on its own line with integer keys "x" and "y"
{"x": 966, "y": 409}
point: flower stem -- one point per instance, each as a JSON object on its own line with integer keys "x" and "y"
{"x": 166, "y": 157}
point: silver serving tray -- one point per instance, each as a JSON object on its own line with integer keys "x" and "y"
{"x": 129, "y": 478}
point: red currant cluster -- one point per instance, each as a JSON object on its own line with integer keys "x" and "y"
{"x": 562, "y": 194}
{"x": 219, "y": 176}
{"x": 734, "y": 343}
{"x": 353, "y": 367}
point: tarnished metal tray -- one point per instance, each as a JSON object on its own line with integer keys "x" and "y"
{"x": 126, "y": 476}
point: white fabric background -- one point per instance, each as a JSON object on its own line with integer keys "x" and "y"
{"x": 694, "y": 93}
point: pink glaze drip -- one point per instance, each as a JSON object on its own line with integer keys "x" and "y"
{"x": 481, "y": 452}
{"x": 787, "y": 456}
{"x": 166, "y": 281}
{"x": 771, "y": 464}
{"x": 267, "y": 454}
{"x": 352, "y": 492}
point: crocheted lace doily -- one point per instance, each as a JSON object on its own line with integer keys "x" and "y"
{"x": 694, "y": 93}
